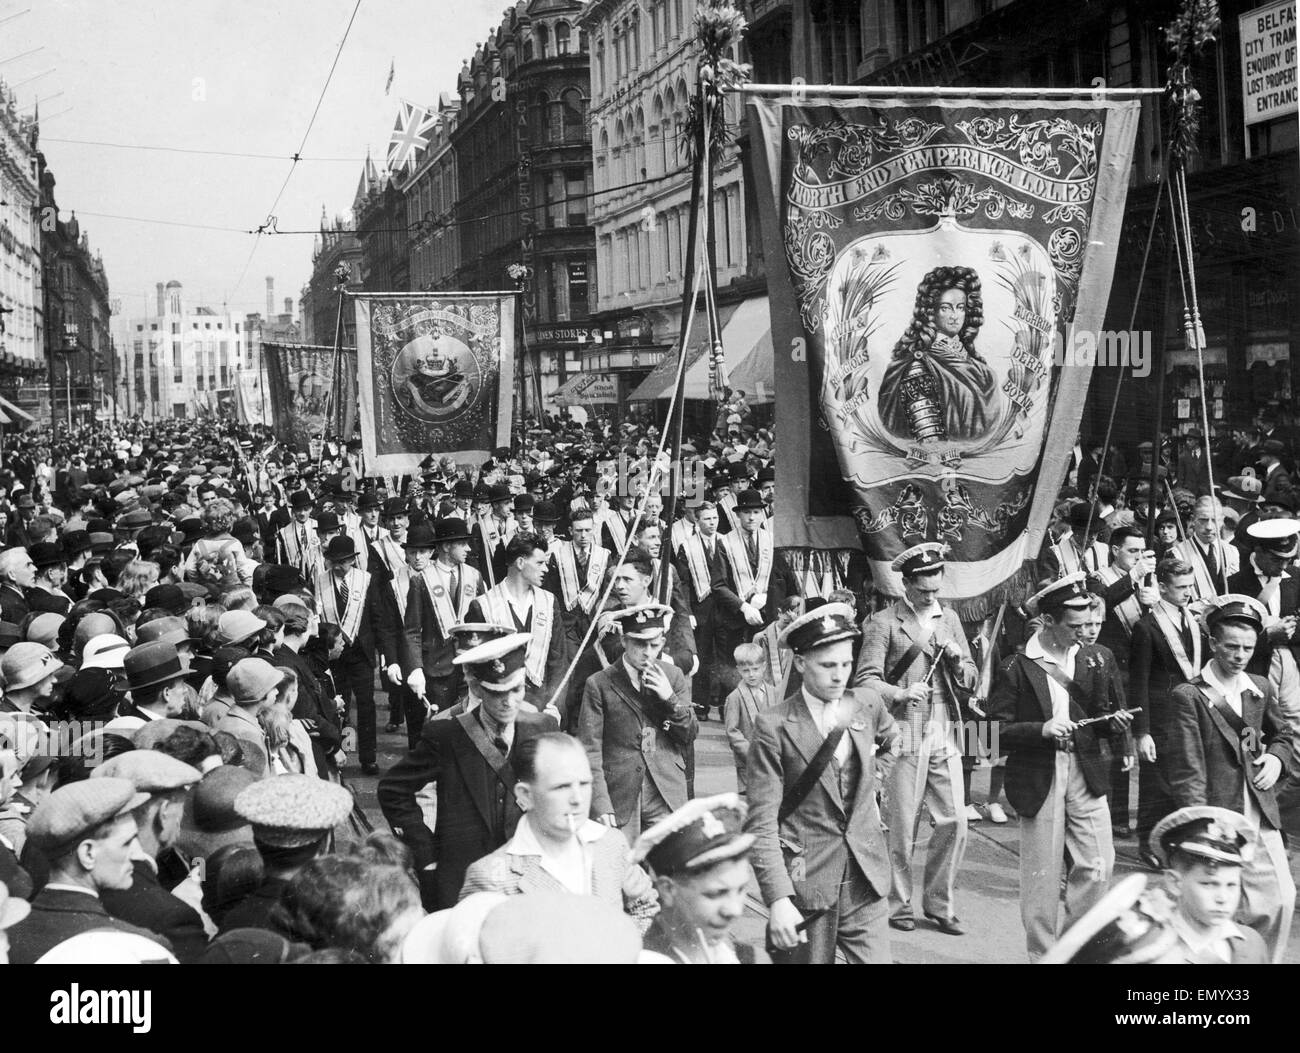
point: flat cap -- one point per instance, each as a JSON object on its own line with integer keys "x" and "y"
{"x": 292, "y": 811}
{"x": 149, "y": 771}
{"x": 68, "y": 814}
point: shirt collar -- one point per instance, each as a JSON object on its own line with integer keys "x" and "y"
{"x": 933, "y": 610}
{"x": 1260, "y": 574}
{"x": 1034, "y": 650}
{"x": 526, "y": 843}
{"x": 1238, "y": 685}
{"x": 633, "y": 673}
{"x": 1197, "y": 942}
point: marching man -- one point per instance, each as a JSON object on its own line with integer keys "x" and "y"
{"x": 521, "y": 602}
{"x": 914, "y": 654}
{"x": 1057, "y": 777}
{"x": 575, "y": 575}
{"x": 299, "y": 546}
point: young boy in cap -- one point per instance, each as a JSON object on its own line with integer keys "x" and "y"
{"x": 469, "y": 759}
{"x": 1229, "y": 746}
{"x": 1057, "y": 775}
{"x": 699, "y": 856}
{"x": 915, "y": 654}
{"x": 1205, "y": 850}
{"x": 819, "y": 852}
{"x": 636, "y": 721}
{"x": 88, "y": 836}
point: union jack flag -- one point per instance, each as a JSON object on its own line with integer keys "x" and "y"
{"x": 410, "y": 135}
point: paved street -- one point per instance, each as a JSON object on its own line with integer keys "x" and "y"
{"x": 990, "y": 878}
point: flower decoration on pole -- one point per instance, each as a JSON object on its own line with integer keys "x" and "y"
{"x": 718, "y": 28}
{"x": 1196, "y": 25}
{"x": 518, "y": 274}
{"x": 342, "y": 275}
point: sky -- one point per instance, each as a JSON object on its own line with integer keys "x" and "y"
{"x": 234, "y": 76}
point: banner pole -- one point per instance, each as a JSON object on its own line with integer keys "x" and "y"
{"x": 677, "y": 414}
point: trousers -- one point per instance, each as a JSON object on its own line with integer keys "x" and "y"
{"x": 1268, "y": 894}
{"x": 920, "y": 776}
{"x": 354, "y": 676}
{"x": 1070, "y": 818}
{"x": 858, "y": 926}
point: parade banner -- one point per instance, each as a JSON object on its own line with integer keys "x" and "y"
{"x": 926, "y": 254}
{"x": 249, "y": 404}
{"x": 435, "y": 375}
{"x": 300, "y": 383}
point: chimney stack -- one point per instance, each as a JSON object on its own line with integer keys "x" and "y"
{"x": 270, "y": 297}
{"x": 288, "y": 307}
{"x": 162, "y": 301}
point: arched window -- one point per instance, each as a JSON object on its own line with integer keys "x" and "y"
{"x": 658, "y": 136}
{"x": 575, "y": 115}
{"x": 616, "y": 164}
{"x": 528, "y": 49}
{"x": 543, "y": 41}
{"x": 667, "y": 130}
{"x": 561, "y": 38}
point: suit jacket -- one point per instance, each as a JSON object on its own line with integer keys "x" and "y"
{"x": 422, "y": 645}
{"x": 681, "y": 636}
{"x": 58, "y": 915}
{"x": 470, "y": 792}
{"x": 886, "y": 639}
{"x": 1019, "y": 706}
{"x": 732, "y": 627}
{"x": 1206, "y": 764}
{"x": 614, "y": 877}
{"x": 740, "y": 714}
{"x": 1193, "y": 472}
{"x": 41, "y": 601}
{"x": 614, "y": 724}
{"x": 147, "y": 904}
{"x": 13, "y": 604}
{"x": 1153, "y": 673}
{"x": 821, "y": 833}
{"x": 1113, "y": 635}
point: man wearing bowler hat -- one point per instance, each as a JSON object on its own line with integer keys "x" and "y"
{"x": 156, "y": 680}
{"x": 51, "y": 573}
{"x": 388, "y": 542}
{"x": 1057, "y": 774}
{"x": 441, "y": 590}
{"x": 366, "y": 613}
{"x": 87, "y": 833}
{"x": 636, "y": 721}
{"x": 468, "y": 758}
{"x": 756, "y": 581}
{"x": 299, "y": 546}
{"x": 819, "y": 851}
{"x": 1230, "y": 745}
{"x": 491, "y": 534}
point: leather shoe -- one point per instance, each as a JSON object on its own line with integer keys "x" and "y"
{"x": 1149, "y": 859}
{"x": 902, "y": 924}
{"x": 370, "y": 769}
{"x": 948, "y": 926}
{"x": 392, "y": 728}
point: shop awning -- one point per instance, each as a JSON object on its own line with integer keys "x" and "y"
{"x": 587, "y": 389}
{"x": 748, "y": 340}
{"x": 659, "y": 383}
{"x": 15, "y": 410}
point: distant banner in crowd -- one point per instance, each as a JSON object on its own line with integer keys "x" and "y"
{"x": 300, "y": 381}
{"x": 923, "y": 255}
{"x": 435, "y": 375}
{"x": 249, "y": 402}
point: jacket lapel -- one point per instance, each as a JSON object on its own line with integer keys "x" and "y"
{"x": 807, "y": 738}
{"x": 1039, "y": 681}
{"x": 468, "y": 756}
{"x": 622, "y": 685}
{"x": 907, "y": 621}
{"x": 1210, "y": 696}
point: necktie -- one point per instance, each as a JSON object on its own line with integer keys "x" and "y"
{"x": 1210, "y": 563}
{"x": 752, "y": 542}
{"x": 343, "y": 596}
{"x": 500, "y": 744}
{"x": 302, "y": 539}
{"x": 455, "y": 587}
{"x": 1186, "y": 633}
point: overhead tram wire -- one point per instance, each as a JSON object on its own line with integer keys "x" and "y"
{"x": 297, "y": 156}
{"x": 201, "y": 153}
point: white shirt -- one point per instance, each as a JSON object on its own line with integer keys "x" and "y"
{"x": 572, "y": 868}
{"x": 928, "y": 618}
{"x": 1216, "y": 944}
{"x": 825, "y": 714}
{"x": 1232, "y": 690}
{"x": 1270, "y": 591}
{"x": 1060, "y": 697}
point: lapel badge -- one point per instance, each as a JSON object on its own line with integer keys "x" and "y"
{"x": 858, "y": 725}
